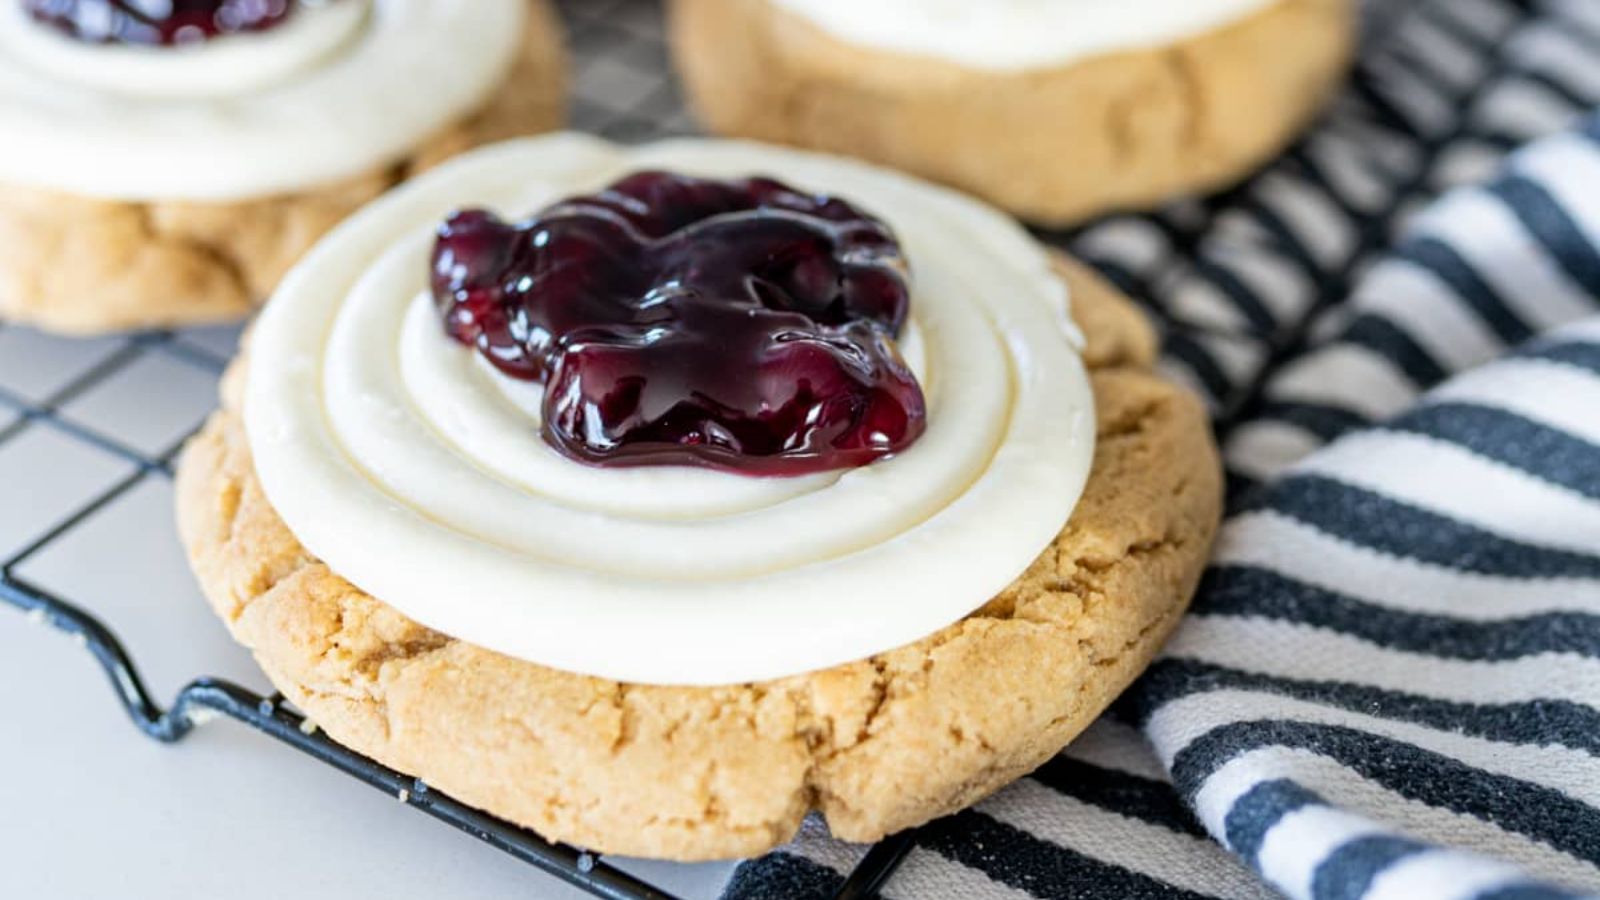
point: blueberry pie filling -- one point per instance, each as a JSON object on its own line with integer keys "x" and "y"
{"x": 740, "y": 325}
{"x": 158, "y": 22}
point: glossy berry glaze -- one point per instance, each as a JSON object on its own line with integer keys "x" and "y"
{"x": 740, "y": 325}
{"x": 157, "y": 22}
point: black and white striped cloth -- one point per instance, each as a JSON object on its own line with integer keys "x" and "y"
{"x": 1389, "y": 686}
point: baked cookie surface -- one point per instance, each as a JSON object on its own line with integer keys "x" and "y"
{"x": 699, "y": 773}
{"x": 81, "y": 265}
{"x": 1054, "y": 145}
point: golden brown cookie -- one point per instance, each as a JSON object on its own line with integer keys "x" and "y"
{"x": 699, "y": 773}
{"x": 79, "y": 265}
{"x": 1119, "y": 131}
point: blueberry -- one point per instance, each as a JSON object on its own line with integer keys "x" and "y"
{"x": 157, "y": 23}
{"x": 740, "y": 325}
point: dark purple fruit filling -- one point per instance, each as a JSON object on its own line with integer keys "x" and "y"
{"x": 740, "y": 325}
{"x": 157, "y": 22}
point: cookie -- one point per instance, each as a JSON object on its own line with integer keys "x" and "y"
{"x": 1053, "y": 144}
{"x": 80, "y": 265}
{"x": 692, "y": 773}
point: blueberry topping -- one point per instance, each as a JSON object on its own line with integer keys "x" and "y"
{"x": 740, "y": 325}
{"x": 157, "y": 22}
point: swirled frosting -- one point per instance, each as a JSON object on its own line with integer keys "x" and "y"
{"x": 336, "y": 90}
{"x": 416, "y": 470}
{"x": 1018, "y": 34}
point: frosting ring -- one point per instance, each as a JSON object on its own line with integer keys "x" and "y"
{"x": 360, "y": 448}
{"x": 397, "y": 73}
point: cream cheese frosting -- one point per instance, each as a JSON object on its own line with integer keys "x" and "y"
{"x": 1006, "y": 35}
{"x": 417, "y": 472}
{"x": 338, "y": 89}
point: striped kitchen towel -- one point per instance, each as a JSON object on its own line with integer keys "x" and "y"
{"x": 1389, "y": 686}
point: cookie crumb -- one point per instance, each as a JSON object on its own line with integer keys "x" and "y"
{"x": 308, "y": 727}
{"x": 404, "y": 796}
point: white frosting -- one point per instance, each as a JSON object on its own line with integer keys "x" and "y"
{"x": 1008, "y": 35}
{"x": 417, "y": 471}
{"x": 334, "y": 91}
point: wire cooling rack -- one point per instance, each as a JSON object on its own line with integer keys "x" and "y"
{"x": 83, "y": 426}
{"x": 78, "y": 436}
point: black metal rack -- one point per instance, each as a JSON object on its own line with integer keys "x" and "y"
{"x": 273, "y": 717}
{"x": 623, "y": 92}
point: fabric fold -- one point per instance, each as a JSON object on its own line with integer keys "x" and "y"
{"x": 1389, "y": 684}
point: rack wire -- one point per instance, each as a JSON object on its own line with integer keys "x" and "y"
{"x": 622, "y": 90}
